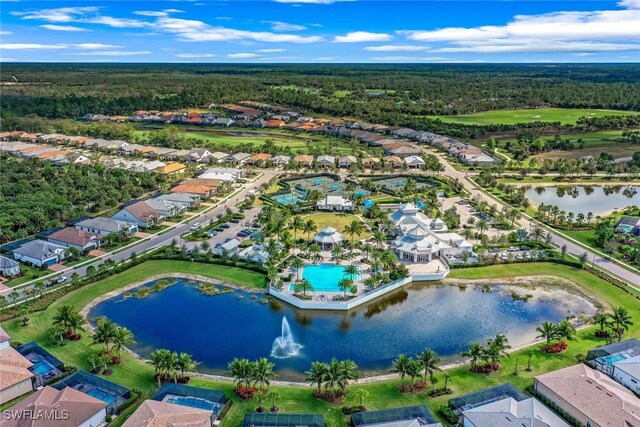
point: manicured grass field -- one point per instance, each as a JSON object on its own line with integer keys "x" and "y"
{"x": 337, "y": 221}
{"x": 562, "y": 115}
{"x": 134, "y": 373}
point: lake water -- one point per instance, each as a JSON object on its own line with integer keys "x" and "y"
{"x": 248, "y": 134}
{"x": 598, "y": 200}
{"x": 215, "y": 329}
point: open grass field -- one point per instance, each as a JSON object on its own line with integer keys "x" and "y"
{"x": 135, "y": 373}
{"x": 562, "y": 115}
{"x": 337, "y": 221}
{"x": 234, "y": 137}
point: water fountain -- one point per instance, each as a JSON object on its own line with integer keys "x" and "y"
{"x": 285, "y": 346}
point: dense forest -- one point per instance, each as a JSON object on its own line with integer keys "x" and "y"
{"x": 391, "y": 94}
{"x": 36, "y": 195}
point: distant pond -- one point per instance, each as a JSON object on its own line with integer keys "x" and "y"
{"x": 215, "y": 329}
{"x": 598, "y": 200}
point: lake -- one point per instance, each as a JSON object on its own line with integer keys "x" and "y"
{"x": 599, "y": 200}
{"x": 215, "y": 329}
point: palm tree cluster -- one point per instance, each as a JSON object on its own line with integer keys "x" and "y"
{"x": 67, "y": 322}
{"x": 613, "y": 324}
{"x": 251, "y": 378}
{"x": 491, "y": 354}
{"x": 171, "y": 366}
{"x": 332, "y": 379}
{"x": 561, "y": 331}
{"x": 424, "y": 364}
{"x": 113, "y": 338}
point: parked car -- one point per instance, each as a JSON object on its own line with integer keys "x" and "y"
{"x": 225, "y": 226}
{"x": 195, "y": 226}
{"x": 235, "y": 220}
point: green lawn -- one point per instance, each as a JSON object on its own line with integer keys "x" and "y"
{"x": 562, "y": 115}
{"x": 337, "y": 221}
{"x": 134, "y": 373}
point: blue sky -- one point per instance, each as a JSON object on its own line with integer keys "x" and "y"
{"x": 320, "y": 31}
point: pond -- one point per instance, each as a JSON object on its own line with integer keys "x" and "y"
{"x": 248, "y": 134}
{"x": 599, "y": 200}
{"x": 215, "y": 329}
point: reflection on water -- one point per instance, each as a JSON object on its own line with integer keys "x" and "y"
{"x": 215, "y": 329}
{"x": 598, "y": 200}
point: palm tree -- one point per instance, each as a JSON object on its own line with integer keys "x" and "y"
{"x": 263, "y": 372}
{"x": 547, "y": 331}
{"x": 337, "y": 253}
{"x": 309, "y": 227}
{"x": 63, "y": 316}
{"x": 475, "y": 352}
{"x": 317, "y": 374}
{"x": 355, "y": 228}
{"x": 378, "y": 237}
{"x": 259, "y": 397}
{"x": 482, "y": 225}
{"x": 298, "y": 264}
{"x": 242, "y": 371}
{"x": 565, "y": 330}
{"x": 94, "y": 359}
{"x": 401, "y": 366}
{"x": 303, "y": 286}
{"x": 344, "y": 285}
{"x": 273, "y": 396}
{"x": 352, "y": 271}
{"x": 161, "y": 360}
{"x": 297, "y": 223}
{"x": 537, "y": 234}
{"x": 620, "y": 321}
{"x": 496, "y": 349}
{"x": 601, "y": 319}
{"x": 103, "y": 334}
{"x": 429, "y": 361}
{"x": 348, "y": 372}
{"x": 185, "y": 363}
{"x": 358, "y": 395}
{"x": 76, "y": 322}
{"x": 413, "y": 370}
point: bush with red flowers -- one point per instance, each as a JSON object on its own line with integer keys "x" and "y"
{"x": 558, "y": 347}
{"x": 246, "y": 393}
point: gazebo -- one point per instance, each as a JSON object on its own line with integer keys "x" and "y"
{"x": 328, "y": 238}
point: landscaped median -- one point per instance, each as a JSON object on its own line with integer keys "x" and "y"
{"x": 134, "y": 373}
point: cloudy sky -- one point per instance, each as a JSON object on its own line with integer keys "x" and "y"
{"x": 317, "y": 31}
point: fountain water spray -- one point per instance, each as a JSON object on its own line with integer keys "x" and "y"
{"x": 285, "y": 346}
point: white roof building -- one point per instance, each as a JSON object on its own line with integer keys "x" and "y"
{"x": 328, "y": 237}
{"x": 408, "y": 216}
{"x": 511, "y": 413}
{"x": 335, "y": 203}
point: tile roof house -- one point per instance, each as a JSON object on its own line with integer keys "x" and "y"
{"x": 207, "y": 182}
{"x": 140, "y": 213}
{"x": 81, "y": 409}
{"x": 370, "y": 162}
{"x": 9, "y": 267}
{"x": 274, "y": 123}
{"x": 204, "y": 191}
{"x": 589, "y": 397}
{"x": 39, "y": 253}
{"x": 223, "y": 121}
{"x": 326, "y": 161}
{"x": 238, "y": 158}
{"x": 15, "y": 376}
{"x": 258, "y": 158}
{"x": 627, "y": 373}
{"x": 105, "y": 226}
{"x": 509, "y": 412}
{"x": 82, "y": 240}
{"x": 280, "y": 160}
{"x": 414, "y": 162}
{"x": 166, "y": 208}
{"x": 198, "y": 154}
{"x": 303, "y": 159}
{"x": 188, "y": 200}
{"x": 394, "y": 161}
{"x": 347, "y": 161}
{"x": 171, "y": 168}
{"x": 152, "y": 413}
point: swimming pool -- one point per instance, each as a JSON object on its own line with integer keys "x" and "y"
{"x": 324, "y": 277}
{"x": 41, "y": 366}
{"x": 192, "y": 402}
{"x": 99, "y": 394}
{"x": 286, "y": 199}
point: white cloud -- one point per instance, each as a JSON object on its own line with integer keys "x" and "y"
{"x": 61, "y": 14}
{"x": 30, "y": 46}
{"x": 271, "y": 50}
{"x": 396, "y": 58}
{"x": 54, "y": 27}
{"x": 583, "y": 54}
{"x": 325, "y": 58}
{"x": 173, "y": 10}
{"x": 116, "y": 22}
{"x": 96, "y": 46}
{"x": 362, "y": 36}
{"x": 224, "y": 18}
{"x": 195, "y": 55}
{"x": 5, "y": 33}
{"x": 198, "y": 31}
{"x": 563, "y": 31}
{"x": 242, "y": 55}
{"x": 114, "y": 53}
{"x": 284, "y": 26}
{"x": 151, "y": 13}
{"x": 395, "y": 48}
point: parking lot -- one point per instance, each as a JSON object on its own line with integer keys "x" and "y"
{"x": 234, "y": 229}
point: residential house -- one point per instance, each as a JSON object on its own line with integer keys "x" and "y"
{"x": 370, "y": 162}
{"x": 280, "y": 160}
{"x": 203, "y": 191}
{"x": 166, "y": 208}
{"x": 588, "y": 397}
{"x": 255, "y": 253}
{"x": 509, "y": 412}
{"x": 628, "y": 225}
{"x": 9, "y": 267}
{"x": 258, "y": 159}
{"x": 414, "y": 162}
{"x": 219, "y": 155}
{"x": 347, "y": 161}
{"x": 407, "y": 416}
{"x": 198, "y": 155}
{"x": 335, "y": 204}
{"x": 171, "y": 169}
{"x": 139, "y": 213}
{"x": 152, "y": 413}
{"x": 259, "y": 123}
{"x": 326, "y": 161}
{"x": 627, "y": 373}
{"x": 238, "y": 158}
{"x": 305, "y": 160}
{"x": 188, "y": 200}
{"x": 73, "y": 158}
{"x": 274, "y": 124}
{"x": 394, "y": 161}
{"x": 223, "y": 121}
{"x": 15, "y": 377}
{"x": 105, "y": 226}
{"x": 71, "y": 237}
{"x": 47, "y": 407}
{"x": 229, "y": 248}
{"x": 402, "y": 150}
{"x": 39, "y": 253}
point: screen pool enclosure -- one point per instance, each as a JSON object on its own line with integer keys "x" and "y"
{"x": 419, "y": 413}
{"x": 114, "y": 395}
{"x": 45, "y": 365}
{"x": 603, "y": 358}
{"x": 283, "y": 420}
{"x": 482, "y": 397}
{"x": 193, "y": 397}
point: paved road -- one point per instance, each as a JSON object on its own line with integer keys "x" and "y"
{"x": 175, "y": 232}
{"x": 572, "y": 248}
